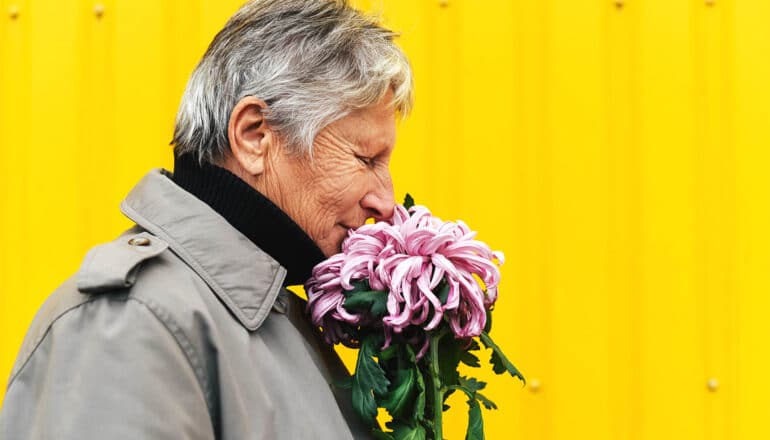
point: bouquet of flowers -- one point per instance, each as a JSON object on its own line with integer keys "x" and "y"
{"x": 414, "y": 295}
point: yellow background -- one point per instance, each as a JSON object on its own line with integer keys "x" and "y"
{"x": 616, "y": 151}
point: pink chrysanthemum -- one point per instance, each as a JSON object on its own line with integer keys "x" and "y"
{"x": 415, "y": 257}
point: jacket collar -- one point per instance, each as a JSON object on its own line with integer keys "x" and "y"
{"x": 252, "y": 214}
{"x": 246, "y": 279}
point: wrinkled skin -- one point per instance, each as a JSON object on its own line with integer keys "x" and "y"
{"x": 346, "y": 181}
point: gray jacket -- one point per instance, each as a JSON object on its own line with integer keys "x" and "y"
{"x": 179, "y": 329}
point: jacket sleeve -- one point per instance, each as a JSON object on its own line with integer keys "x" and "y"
{"x": 107, "y": 369}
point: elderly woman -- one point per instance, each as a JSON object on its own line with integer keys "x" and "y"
{"x": 182, "y": 327}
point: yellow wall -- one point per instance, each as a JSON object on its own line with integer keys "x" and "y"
{"x": 617, "y": 154}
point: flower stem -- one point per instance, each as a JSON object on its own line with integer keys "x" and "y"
{"x": 438, "y": 391}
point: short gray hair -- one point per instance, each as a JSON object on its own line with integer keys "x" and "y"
{"x": 312, "y": 61}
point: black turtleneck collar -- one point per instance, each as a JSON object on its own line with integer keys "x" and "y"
{"x": 251, "y": 213}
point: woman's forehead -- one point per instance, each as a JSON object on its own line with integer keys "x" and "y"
{"x": 372, "y": 128}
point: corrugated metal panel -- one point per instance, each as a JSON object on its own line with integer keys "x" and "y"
{"x": 617, "y": 151}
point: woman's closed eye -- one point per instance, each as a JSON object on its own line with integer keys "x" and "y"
{"x": 368, "y": 161}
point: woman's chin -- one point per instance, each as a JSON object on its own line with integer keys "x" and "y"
{"x": 332, "y": 246}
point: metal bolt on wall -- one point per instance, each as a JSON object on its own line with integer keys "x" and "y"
{"x": 13, "y": 12}
{"x": 99, "y": 10}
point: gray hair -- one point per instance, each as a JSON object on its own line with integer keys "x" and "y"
{"x": 312, "y": 62}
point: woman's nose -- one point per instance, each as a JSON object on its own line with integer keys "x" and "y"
{"x": 379, "y": 203}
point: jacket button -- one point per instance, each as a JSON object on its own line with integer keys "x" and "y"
{"x": 139, "y": 241}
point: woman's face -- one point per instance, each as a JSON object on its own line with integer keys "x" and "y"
{"x": 346, "y": 181}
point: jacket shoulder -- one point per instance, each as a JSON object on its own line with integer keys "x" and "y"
{"x": 110, "y": 267}
{"x": 114, "y": 265}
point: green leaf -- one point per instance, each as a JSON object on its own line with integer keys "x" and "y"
{"x": 389, "y": 353}
{"x": 449, "y": 350}
{"x": 401, "y": 394}
{"x": 368, "y": 379}
{"x": 500, "y": 363}
{"x": 344, "y": 384}
{"x": 443, "y": 292}
{"x": 488, "y": 325}
{"x": 409, "y": 432}
{"x": 364, "y": 404}
{"x": 498, "y": 366}
{"x": 374, "y": 301}
{"x": 488, "y": 404}
{"x": 379, "y": 434}
{"x": 471, "y": 388}
{"x": 471, "y": 385}
{"x": 475, "y": 421}
{"x": 419, "y": 404}
{"x": 358, "y": 286}
{"x": 469, "y": 359}
{"x": 410, "y": 355}
{"x": 379, "y": 307}
{"x": 408, "y": 201}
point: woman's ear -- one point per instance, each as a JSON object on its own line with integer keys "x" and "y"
{"x": 249, "y": 134}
